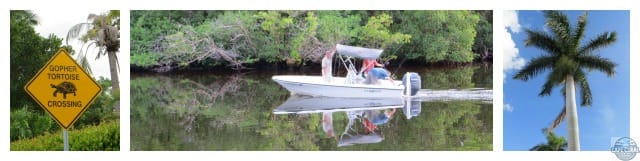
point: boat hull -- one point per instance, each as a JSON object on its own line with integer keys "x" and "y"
{"x": 308, "y": 104}
{"x": 315, "y": 86}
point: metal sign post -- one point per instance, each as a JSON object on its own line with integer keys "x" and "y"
{"x": 65, "y": 137}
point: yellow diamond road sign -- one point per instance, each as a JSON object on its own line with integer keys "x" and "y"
{"x": 63, "y": 89}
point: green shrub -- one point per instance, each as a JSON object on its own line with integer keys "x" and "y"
{"x": 145, "y": 59}
{"x": 26, "y": 123}
{"x": 103, "y": 137}
{"x": 100, "y": 110}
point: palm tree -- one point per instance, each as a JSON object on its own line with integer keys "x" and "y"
{"x": 102, "y": 32}
{"x": 554, "y": 143}
{"x": 567, "y": 59}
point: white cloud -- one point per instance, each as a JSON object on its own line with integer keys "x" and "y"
{"x": 511, "y": 59}
{"x": 508, "y": 108}
{"x": 511, "y": 21}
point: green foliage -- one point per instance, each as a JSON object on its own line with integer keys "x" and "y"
{"x": 296, "y": 37}
{"x": 102, "y": 108}
{"x": 29, "y": 52}
{"x": 103, "y": 137}
{"x": 484, "y": 33}
{"x": 236, "y": 30}
{"x": 27, "y": 123}
{"x": 145, "y": 60}
{"x": 302, "y": 38}
{"x": 275, "y": 26}
{"x": 554, "y": 143}
{"x": 376, "y": 33}
{"x": 335, "y": 28}
{"x": 458, "y": 78}
{"x": 147, "y": 34}
{"x": 440, "y": 35}
{"x": 183, "y": 47}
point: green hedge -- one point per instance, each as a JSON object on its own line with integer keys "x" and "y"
{"x": 103, "y": 137}
{"x": 27, "y": 123}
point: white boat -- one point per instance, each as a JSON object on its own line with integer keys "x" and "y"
{"x": 316, "y": 86}
{"x": 308, "y": 104}
{"x": 296, "y": 104}
{"x": 353, "y": 108}
{"x": 350, "y": 86}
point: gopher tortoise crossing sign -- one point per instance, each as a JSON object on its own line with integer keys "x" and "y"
{"x": 63, "y": 89}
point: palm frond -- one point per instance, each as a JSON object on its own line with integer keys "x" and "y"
{"x": 541, "y": 40}
{"x": 598, "y": 63}
{"x": 602, "y": 40}
{"x": 585, "y": 91}
{"x": 83, "y": 61}
{"x": 86, "y": 48}
{"x": 559, "y": 24}
{"x": 75, "y": 31}
{"x": 557, "y": 143}
{"x": 561, "y": 116}
{"x": 114, "y": 18}
{"x": 554, "y": 143}
{"x": 92, "y": 16}
{"x": 100, "y": 52}
{"x": 534, "y": 67}
{"x": 579, "y": 31}
{"x": 555, "y": 78}
{"x": 540, "y": 147}
{"x": 90, "y": 35}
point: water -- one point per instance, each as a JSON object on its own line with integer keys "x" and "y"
{"x": 224, "y": 111}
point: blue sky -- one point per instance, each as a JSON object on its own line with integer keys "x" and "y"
{"x": 526, "y": 114}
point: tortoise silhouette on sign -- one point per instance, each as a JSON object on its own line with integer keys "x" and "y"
{"x": 64, "y": 88}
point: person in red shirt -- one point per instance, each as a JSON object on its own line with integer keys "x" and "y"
{"x": 368, "y": 64}
{"x": 375, "y": 118}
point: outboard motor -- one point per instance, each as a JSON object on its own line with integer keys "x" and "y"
{"x": 412, "y": 84}
{"x": 412, "y": 107}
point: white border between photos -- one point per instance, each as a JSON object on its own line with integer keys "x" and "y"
{"x": 125, "y": 6}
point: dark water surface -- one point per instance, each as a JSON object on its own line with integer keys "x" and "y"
{"x": 231, "y": 111}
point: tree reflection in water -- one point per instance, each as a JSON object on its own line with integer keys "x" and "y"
{"x": 236, "y": 112}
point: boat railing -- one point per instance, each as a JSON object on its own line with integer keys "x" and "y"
{"x": 352, "y": 74}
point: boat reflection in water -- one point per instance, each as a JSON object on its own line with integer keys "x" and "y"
{"x": 364, "y": 114}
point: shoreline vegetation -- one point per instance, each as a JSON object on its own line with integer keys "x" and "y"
{"x": 307, "y": 68}
{"x": 236, "y": 112}
{"x": 163, "y": 41}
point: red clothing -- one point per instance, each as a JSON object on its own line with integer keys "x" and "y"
{"x": 369, "y": 126}
{"x": 368, "y": 64}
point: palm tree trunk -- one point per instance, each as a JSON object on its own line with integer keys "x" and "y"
{"x": 115, "y": 84}
{"x": 572, "y": 114}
